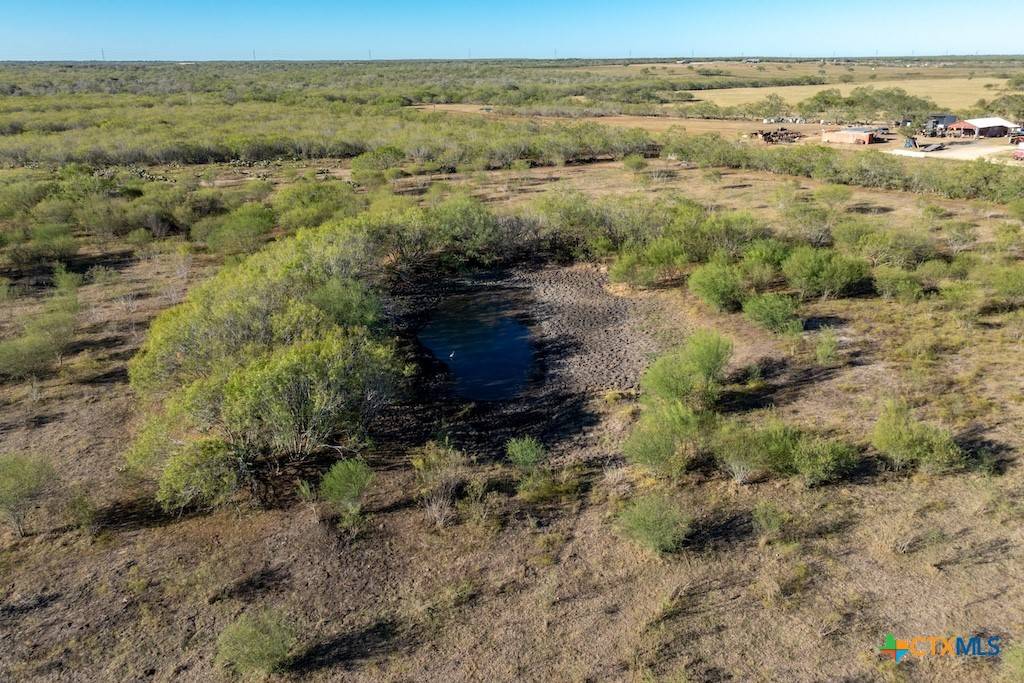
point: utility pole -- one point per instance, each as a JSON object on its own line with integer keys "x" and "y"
{"x": 103, "y": 55}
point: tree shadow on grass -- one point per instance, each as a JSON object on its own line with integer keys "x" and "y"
{"x": 118, "y": 375}
{"x": 984, "y": 453}
{"x": 783, "y": 384}
{"x": 866, "y": 209}
{"x": 130, "y": 515}
{"x": 14, "y": 610}
{"x": 721, "y": 530}
{"x": 116, "y": 260}
{"x": 251, "y": 586}
{"x": 104, "y": 344}
{"x": 374, "y": 640}
{"x": 820, "y": 322}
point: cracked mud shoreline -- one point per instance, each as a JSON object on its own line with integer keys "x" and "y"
{"x": 587, "y": 341}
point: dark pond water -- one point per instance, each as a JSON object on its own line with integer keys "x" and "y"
{"x": 486, "y": 348}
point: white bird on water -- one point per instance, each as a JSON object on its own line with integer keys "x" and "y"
{"x": 451, "y": 355}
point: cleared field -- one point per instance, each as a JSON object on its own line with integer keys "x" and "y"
{"x": 954, "y": 93}
{"x": 655, "y": 124}
{"x": 859, "y": 72}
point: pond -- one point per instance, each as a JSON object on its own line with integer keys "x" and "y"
{"x": 483, "y": 342}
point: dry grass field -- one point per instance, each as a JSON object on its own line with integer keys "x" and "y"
{"x": 951, "y": 93}
{"x": 656, "y": 124}
{"x": 862, "y": 71}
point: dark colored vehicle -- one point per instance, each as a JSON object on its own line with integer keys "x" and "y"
{"x": 936, "y": 124}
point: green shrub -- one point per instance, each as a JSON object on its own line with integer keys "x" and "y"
{"x": 719, "y": 285}
{"x": 344, "y": 485}
{"x": 1009, "y": 239}
{"x": 346, "y": 303}
{"x": 241, "y": 231}
{"x": 464, "y": 231}
{"x": 931, "y": 273}
{"x": 27, "y": 355}
{"x": 368, "y": 168}
{"x": 43, "y": 338}
{"x": 849, "y": 234}
{"x": 734, "y": 445}
{"x": 634, "y": 163}
{"x": 569, "y": 222}
{"x": 827, "y": 346}
{"x": 724, "y": 234}
{"x": 525, "y": 453}
{"x": 153, "y": 445}
{"x": 762, "y": 263}
{"x": 823, "y": 272}
{"x": 769, "y": 521}
{"x": 776, "y": 312}
{"x": 20, "y": 196}
{"x": 895, "y": 283}
{"x": 102, "y": 275}
{"x": 908, "y": 442}
{"x": 542, "y": 485}
{"x": 895, "y": 248}
{"x": 438, "y": 464}
{"x": 808, "y": 223}
{"x": 666, "y": 438}
{"x": 259, "y": 643}
{"x": 658, "y": 260}
{"x": 310, "y": 203}
{"x": 1007, "y": 282}
{"x": 818, "y": 460}
{"x": 962, "y": 297}
{"x": 747, "y": 451}
{"x": 138, "y": 238}
{"x": 82, "y": 510}
{"x": 99, "y": 215}
{"x": 292, "y": 400}
{"x": 655, "y": 522}
{"x": 24, "y": 480}
{"x": 692, "y": 372}
{"x": 203, "y": 474}
{"x": 43, "y": 244}
{"x": 65, "y": 280}
{"x": 778, "y": 443}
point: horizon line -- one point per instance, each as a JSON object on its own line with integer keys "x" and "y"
{"x": 625, "y": 58}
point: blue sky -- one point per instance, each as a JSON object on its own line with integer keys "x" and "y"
{"x": 231, "y": 29}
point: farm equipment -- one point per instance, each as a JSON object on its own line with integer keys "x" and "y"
{"x": 774, "y": 137}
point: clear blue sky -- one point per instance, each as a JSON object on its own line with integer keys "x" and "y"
{"x": 316, "y": 29}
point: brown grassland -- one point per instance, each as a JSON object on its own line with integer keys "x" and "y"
{"x": 951, "y": 93}
{"x": 549, "y": 591}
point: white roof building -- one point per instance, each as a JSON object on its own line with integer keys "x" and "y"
{"x": 991, "y": 122}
